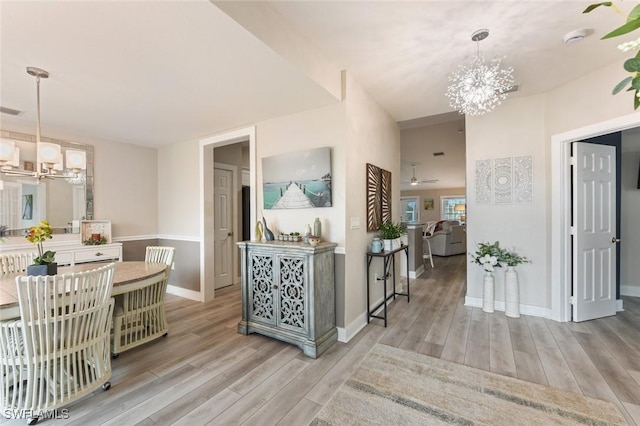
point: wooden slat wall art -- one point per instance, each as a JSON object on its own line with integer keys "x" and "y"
{"x": 378, "y": 197}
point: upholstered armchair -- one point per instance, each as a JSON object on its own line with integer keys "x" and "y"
{"x": 450, "y": 240}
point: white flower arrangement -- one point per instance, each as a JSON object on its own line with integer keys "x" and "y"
{"x": 491, "y": 256}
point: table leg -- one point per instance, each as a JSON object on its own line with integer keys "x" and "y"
{"x": 368, "y": 303}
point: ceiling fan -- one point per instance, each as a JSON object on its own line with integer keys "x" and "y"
{"x": 415, "y": 181}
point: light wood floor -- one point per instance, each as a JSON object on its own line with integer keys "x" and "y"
{"x": 206, "y": 373}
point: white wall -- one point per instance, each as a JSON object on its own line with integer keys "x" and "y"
{"x": 523, "y": 126}
{"x": 630, "y": 205}
{"x": 516, "y": 128}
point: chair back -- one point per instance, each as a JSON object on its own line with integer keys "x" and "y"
{"x": 159, "y": 254}
{"x": 66, "y": 323}
{"x": 15, "y": 263}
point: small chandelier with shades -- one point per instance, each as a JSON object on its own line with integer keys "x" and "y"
{"x": 49, "y": 161}
{"x": 480, "y": 86}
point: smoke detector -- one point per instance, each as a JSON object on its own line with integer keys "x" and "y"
{"x": 575, "y": 36}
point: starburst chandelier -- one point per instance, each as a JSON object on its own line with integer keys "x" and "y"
{"x": 480, "y": 86}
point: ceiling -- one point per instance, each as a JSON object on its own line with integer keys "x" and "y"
{"x": 157, "y": 72}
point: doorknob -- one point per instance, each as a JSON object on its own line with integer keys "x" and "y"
{"x": 615, "y": 240}
{"x": 230, "y": 234}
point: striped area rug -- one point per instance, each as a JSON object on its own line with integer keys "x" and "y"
{"x": 395, "y": 387}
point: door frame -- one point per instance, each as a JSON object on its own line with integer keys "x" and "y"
{"x": 206, "y": 147}
{"x": 560, "y": 241}
{"x": 234, "y": 213}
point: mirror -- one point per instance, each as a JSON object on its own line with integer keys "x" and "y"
{"x": 64, "y": 202}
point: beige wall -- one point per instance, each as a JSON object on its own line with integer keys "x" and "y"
{"x": 372, "y": 137}
{"x": 434, "y": 194}
{"x": 179, "y": 190}
{"x": 323, "y": 127}
{"x": 125, "y": 183}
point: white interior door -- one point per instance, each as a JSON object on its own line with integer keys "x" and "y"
{"x": 223, "y": 227}
{"x": 594, "y": 231}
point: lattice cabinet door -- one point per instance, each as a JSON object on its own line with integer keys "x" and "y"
{"x": 288, "y": 293}
{"x": 262, "y": 288}
{"x": 292, "y": 291}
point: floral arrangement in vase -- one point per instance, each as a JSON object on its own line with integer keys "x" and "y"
{"x": 37, "y": 235}
{"x": 488, "y": 256}
{"x": 511, "y": 258}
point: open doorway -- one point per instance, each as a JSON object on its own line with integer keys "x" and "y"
{"x": 561, "y": 250}
{"x": 235, "y": 152}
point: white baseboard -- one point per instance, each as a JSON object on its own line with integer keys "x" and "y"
{"x": 346, "y": 333}
{"x": 630, "y": 290}
{"x": 183, "y": 292}
{"x": 415, "y": 274}
{"x": 619, "y": 307}
{"x": 535, "y": 311}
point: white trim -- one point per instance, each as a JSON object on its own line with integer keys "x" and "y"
{"x": 415, "y": 274}
{"x": 534, "y": 311}
{"x": 347, "y": 333}
{"x": 206, "y": 169}
{"x": 340, "y": 250}
{"x": 179, "y": 238}
{"x": 183, "y": 292}
{"x": 560, "y": 258}
{"x": 629, "y": 290}
{"x": 619, "y": 307}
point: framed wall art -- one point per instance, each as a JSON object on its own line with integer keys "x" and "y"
{"x": 297, "y": 180}
{"x": 378, "y": 197}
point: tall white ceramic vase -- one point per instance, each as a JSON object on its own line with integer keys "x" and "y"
{"x": 488, "y": 292}
{"x": 511, "y": 293}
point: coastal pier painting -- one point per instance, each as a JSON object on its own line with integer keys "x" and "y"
{"x": 297, "y": 180}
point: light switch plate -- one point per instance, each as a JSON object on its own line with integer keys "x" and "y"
{"x": 355, "y": 223}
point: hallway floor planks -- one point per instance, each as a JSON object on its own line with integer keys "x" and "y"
{"x": 206, "y": 373}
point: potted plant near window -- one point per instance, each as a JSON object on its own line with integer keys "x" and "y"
{"x": 44, "y": 264}
{"x": 390, "y": 233}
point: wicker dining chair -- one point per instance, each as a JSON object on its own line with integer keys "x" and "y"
{"x": 15, "y": 263}
{"x": 58, "y": 350}
{"x": 139, "y": 315}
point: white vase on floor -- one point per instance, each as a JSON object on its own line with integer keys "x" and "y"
{"x": 511, "y": 293}
{"x": 488, "y": 292}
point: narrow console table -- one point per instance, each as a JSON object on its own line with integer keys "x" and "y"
{"x": 288, "y": 293}
{"x": 389, "y": 260}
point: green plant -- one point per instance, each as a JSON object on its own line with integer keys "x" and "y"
{"x": 488, "y": 256}
{"x": 389, "y": 230}
{"x": 511, "y": 258}
{"x": 91, "y": 242}
{"x": 37, "y": 235}
{"x": 632, "y": 82}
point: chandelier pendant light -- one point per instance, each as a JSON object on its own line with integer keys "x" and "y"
{"x": 49, "y": 159}
{"x": 480, "y": 86}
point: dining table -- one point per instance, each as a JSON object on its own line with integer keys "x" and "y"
{"x": 128, "y": 276}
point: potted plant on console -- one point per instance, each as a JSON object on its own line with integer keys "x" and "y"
{"x": 44, "y": 264}
{"x": 390, "y": 233}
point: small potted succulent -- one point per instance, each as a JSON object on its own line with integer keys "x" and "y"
{"x": 44, "y": 264}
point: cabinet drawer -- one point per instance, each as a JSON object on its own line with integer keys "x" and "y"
{"x": 64, "y": 258}
{"x": 97, "y": 254}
